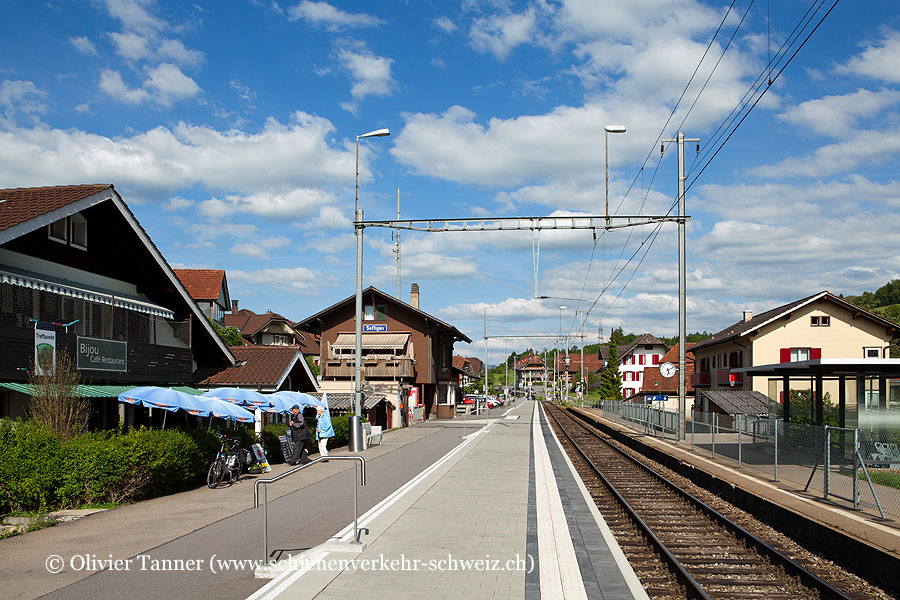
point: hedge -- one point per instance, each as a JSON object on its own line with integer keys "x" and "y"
{"x": 41, "y": 472}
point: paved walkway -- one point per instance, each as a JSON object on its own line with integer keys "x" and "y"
{"x": 502, "y": 515}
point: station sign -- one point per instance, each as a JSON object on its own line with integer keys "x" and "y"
{"x": 374, "y": 328}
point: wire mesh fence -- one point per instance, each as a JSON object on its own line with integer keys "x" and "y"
{"x": 861, "y": 468}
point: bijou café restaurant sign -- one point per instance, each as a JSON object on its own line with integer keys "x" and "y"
{"x": 102, "y": 355}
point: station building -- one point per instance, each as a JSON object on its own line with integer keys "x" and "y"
{"x": 406, "y": 356}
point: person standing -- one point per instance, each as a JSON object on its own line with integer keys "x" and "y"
{"x": 299, "y": 436}
{"x": 324, "y": 430}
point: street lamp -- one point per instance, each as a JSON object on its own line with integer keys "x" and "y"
{"x": 356, "y": 442}
{"x": 608, "y": 130}
{"x": 556, "y": 360}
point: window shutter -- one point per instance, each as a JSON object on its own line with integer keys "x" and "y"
{"x": 785, "y": 355}
{"x": 815, "y": 353}
{"x": 656, "y": 359}
{"x": 641, "y": 359}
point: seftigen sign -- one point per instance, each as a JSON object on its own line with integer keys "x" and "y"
{"x": 102, "y": 355}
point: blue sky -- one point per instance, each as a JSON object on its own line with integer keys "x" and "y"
{"x": 229, "y": 129}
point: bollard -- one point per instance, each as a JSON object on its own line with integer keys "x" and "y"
{"x": 740, "y": 422}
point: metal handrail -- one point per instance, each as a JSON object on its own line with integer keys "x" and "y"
{"x": 362, "y": 481}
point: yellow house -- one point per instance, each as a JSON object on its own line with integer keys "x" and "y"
{"x": 821, "y": 328}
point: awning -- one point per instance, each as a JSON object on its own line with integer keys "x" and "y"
{"x": 393, "y": 341}
{"x": 97, "y": 391}
{"x": 71, "y": 289}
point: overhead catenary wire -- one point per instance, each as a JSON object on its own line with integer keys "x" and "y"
{"x": 713, "y": 149}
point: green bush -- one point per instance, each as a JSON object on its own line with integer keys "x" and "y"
{"x": 40, "y": 472}
{"x": 341, "y": 429}
{"x": 270, "y": 443}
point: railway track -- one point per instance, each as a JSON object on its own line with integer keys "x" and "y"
{"x": 705, "y": 554}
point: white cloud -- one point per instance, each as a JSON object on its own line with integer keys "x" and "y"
{"x": 323, "y": 14}
{"x": 112, "y": 85}
{"x": 371, "y": 74}
{"x": 155, "y": 163}
{"x": 177, "y": 203}
{"x": 445, "y": 24}
{"x": 500, "y": 34}
{"x": 170, "y": 84}
{"x": 133, "y": 15}
{"x": 879, "y": 60}
{"x": 176, "y": 51}
{"x": 84, "y": 45}
{"x": 330, "y": 218}
{"x": 276, "y": 206}
{"x": 131, "y": 46}
{"x": 298, "y": 280}
{"x": 835, "y": 116}
{"x": 21, "y": 97}
{"x": 862, "y": 147}
{"x": 259, "y": 248}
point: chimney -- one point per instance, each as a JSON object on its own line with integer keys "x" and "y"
{"x": 414, "y": 295}
{"x": 748, "y": 314}
{"x": 234, "y": 307}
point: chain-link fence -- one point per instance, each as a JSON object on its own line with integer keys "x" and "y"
{"x": 861, "y": 468}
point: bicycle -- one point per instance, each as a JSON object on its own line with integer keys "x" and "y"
{"x": 230, "y": 460}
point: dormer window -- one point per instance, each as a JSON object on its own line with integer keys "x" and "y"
{"x": 78, "y": 231}
{"x": 71, "y": 231}
{"x": 58, "y": 231}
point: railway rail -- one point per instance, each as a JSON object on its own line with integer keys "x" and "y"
{"x": 706, "y": 554}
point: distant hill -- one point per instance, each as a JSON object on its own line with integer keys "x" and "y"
{"x": 885, "y": 301}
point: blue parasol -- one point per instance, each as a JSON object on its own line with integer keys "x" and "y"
{"x": 239, "y": 396}
{"x": 226, "y": 410}
{"x": 166, "y": 399}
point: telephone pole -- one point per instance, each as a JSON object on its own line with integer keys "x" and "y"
{"x": 682, "y": 276}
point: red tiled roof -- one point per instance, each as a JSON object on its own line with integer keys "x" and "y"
{"x": 250, "y": 322}
{"x": 202, "y": 284}
{"x": 19, "y": 205}
{"x": 262, "y": 365}
{"x": 592, "y": 362}
{"x": 530, "y": 361}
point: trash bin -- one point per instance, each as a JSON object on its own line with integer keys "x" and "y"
{"x": 355, "y": 440}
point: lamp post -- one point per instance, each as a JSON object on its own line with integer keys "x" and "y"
{"x": 356, "y": 421}
{"x": 556, "y": 361}
{"x": 608, "y": 130}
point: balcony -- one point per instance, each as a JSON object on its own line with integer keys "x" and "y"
{"x": 700, "y": 379}
{"x": 726, "y": 377}
{"x": 376, "y": 368}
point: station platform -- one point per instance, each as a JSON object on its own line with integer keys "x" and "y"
{"x": 501, "y": 515}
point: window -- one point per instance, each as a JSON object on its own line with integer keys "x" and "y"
{"x": 71, "y": 230}
{"x": 57, "y": 231}
{"x": 872, "y": 352}
{"x": 78, "y": 231}
{"x": 641, "y": 358}
{"x": 656, "y": 359}
{"x": 799, "y": 354}
{"x": 820, "y": 321}
{"x": 375, "y": 313}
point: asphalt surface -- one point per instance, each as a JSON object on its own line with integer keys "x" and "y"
{"x": 203, "y": 542}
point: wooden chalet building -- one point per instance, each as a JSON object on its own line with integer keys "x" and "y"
{"x": 79, "y": 273}
{"x": 407, "y": 354}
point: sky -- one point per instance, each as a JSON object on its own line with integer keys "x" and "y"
{"x": 230, "y": 129}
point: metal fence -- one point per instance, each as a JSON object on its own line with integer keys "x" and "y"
{"x": 861, "y": 468}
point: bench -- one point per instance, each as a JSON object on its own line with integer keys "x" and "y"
{"x": 372, "y": 434}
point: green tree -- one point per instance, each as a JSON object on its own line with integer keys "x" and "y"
{"x": 610, "y": 378}
{"x": 312, "y": 366}
{"x": 231, "y": 336}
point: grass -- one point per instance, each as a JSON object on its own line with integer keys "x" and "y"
{"x": 886, "y": 478}
{"x": 39, "y": 520}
